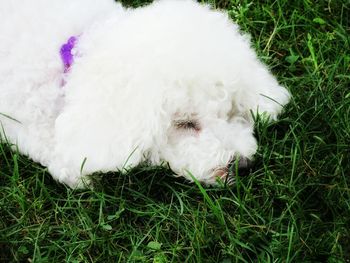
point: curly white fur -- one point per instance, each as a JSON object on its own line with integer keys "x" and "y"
{"x": 171, "y": 82}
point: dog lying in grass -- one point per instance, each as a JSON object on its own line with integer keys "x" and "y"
{"x": 89, "y": 86}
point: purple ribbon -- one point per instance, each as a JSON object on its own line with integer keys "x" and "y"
{"x": 66, "y": 53}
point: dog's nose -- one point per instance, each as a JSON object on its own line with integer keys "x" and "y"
{"x": 241, "y": 163}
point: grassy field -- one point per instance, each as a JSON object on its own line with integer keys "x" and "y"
{"x": 293, "y": 205}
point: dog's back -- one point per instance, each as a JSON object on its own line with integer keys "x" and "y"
{"x": 31, "y": 34}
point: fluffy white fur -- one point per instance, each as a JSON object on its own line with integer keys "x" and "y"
{"x": 171, "y": 82}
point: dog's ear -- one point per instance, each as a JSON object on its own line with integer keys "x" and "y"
{"x": 259, "y": 92}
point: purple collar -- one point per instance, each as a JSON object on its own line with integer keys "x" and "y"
{"x": 66, "y": 53}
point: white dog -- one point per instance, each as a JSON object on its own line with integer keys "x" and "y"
{"x": 89, "y": 86}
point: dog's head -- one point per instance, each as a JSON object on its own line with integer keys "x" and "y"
{"x": 207, "y": 83}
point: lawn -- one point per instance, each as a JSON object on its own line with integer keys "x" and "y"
{"x": 292, "y": 206}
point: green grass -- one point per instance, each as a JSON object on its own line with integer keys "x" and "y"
{"x": 293, "y": 206}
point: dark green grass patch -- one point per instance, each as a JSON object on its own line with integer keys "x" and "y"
{"x": 292, "y": 206}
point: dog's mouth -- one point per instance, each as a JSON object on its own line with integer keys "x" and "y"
{"x": 235, "y": 166}
{"x": 223, "y": 174}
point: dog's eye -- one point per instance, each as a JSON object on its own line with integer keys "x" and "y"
{"x": 187, "y": 125}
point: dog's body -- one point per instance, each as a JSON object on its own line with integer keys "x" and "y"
{"x": 171, "y": 82}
